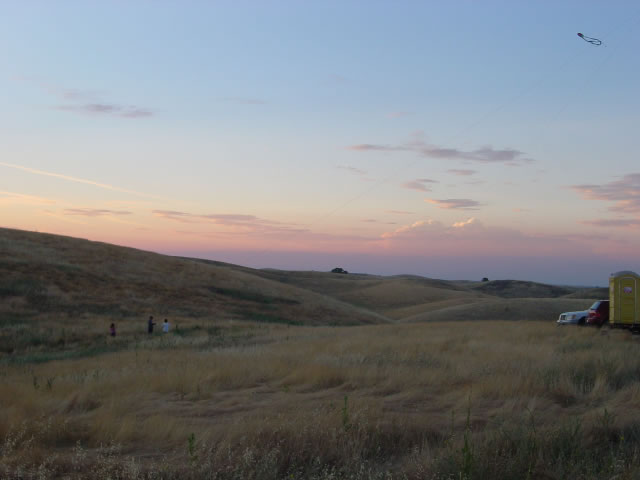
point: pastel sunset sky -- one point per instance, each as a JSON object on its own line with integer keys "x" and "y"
{"x": 449, "y": 139}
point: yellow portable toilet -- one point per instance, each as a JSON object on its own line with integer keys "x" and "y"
{"x": 624, "y": 299}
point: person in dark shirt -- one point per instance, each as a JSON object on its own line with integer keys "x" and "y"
{"x": 150, "y": 324}
{"x": 112, "y": 330}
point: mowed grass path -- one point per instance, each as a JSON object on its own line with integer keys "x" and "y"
{"x": 438, "y": 400}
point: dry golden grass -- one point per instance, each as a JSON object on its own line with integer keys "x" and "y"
{"x": 538, "y": 309}
{"x": 399, "y": 399}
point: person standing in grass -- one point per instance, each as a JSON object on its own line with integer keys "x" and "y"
{"x": 150, "y": 324}
{"x": 112, "y": 330}
{"x": 165, "y": 326}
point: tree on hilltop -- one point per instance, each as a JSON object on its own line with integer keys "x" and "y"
{"x": 339, "y": 270}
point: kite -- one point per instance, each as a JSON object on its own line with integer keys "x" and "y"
{"x": 592, "y": 41}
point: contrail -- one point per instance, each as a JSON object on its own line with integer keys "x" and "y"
{"x": 77, "y": 180}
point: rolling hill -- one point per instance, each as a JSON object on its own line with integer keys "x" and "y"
{"x": 42, "y": 274}
{"x": 50, "y": 275}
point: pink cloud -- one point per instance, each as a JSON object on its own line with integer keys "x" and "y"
{"x": 12, "y": 198}
{"x": 231, "y": 223}
{"x": 486, "y": 154}
{"x": 621, "y": 222}
{"x": 364, "y": 147}
{"x": 87, "y": 102}
{"x": 455, "y": 203}
{"x": 354, "y": 170}
{"x": 94, "y": 212}
{"x": 624, "y": 193}
{"x": 173, "y": 215}
{"x": 455, "y": 171}
{"x": 419, "y": 184}
{"x": 400, "y": 212}
{"x": 408, "y": 228}
{"x": 106, "y": 109}
{"x": 472, "y": 237}
{"x": 464, "y": 223}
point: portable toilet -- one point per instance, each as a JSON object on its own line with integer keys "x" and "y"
{"x": 624, "y": 299}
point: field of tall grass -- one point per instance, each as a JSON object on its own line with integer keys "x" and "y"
{"x": 234, "y": 399}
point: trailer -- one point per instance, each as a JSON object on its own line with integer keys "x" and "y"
{"x": 624, "y": 300}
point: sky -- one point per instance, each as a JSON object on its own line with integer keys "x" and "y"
{"x": 453, "y": 140}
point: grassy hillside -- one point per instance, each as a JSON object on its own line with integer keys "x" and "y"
{"x": 411, "y": 298}
{"x": 592, "y": 293}
{"x": 56, "y": 291}
{"x": 389, "y": 296}
{"x": 61, "y": 275}
{"x": 67, "y": 278}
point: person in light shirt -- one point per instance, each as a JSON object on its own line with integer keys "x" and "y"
{"x": 165, "y": 326}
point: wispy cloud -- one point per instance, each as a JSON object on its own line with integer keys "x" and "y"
{"x": 354, "y": 170}
{"x": 461, "y": 172}
{"x": 471, "y": 237}
{"x": 62, "y": 217}
{"x": 129, "y": 111}
{"x": 419, "y": 184}
{"x": 464, "y": 223}
{"x": 244, "y": 100}
{"x": 455, "y": 203}
{"x": 365, "y": 147}
{"x": 233, "y": 223}
{"x": 407, "y": 228}
{"x": 88, "y": 102}
{"x": 400, "y": 212}
{"x": 73, "y": 94}
{"x": 13, "y": 198}
{"x": 486, "y": 154}
{"x": 624, "y": 193}
{"x": 69, "y": 178}
{"x": 373, "y": 220}
{"x": 615, "y": 222}
{"x": 174, "y": 215}
{"x": 94, "y": 212}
